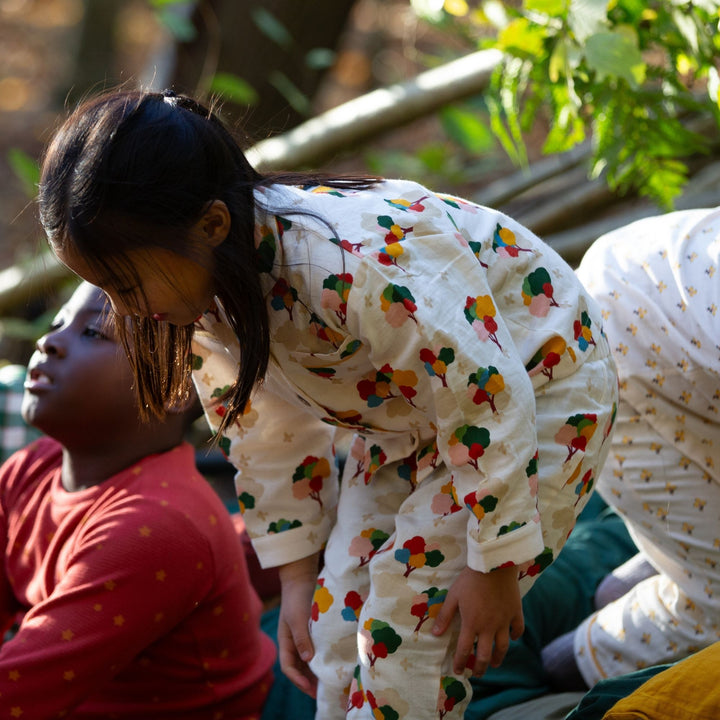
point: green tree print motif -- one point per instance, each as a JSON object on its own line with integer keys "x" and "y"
{"x": 437, "y": 365}
{"x": 468, "y": 444}
{"x": 308, "y": 478}
{"x": 375, "y": 458}
{"x": 393, "y": 249}
{"x": 398, "y": 304}
{"x": 452, "y": 691}
{"x": 480, "y": 503}
{"x": 537, "y": 292}
{"x": 484, "y": 385}
{"x": 583, "y": 332}
{"x": 282, "y": 525}
{"x": 415, "y": 553}
{"x": 246, "y": 501}
{"x": 336, "y": 290}
{"x": 541, "y": 561}
{"x": 383, "y": 640}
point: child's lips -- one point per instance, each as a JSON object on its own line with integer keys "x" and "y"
{"x": 37, "y": 380}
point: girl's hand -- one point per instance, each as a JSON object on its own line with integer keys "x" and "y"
{"x": 490, "y": 611}
{"x": 298, "y": 581}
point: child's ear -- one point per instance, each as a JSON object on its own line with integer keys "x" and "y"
{"x": 214, "y": 225}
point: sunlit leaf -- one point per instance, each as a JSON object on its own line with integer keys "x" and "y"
{"x": 547, "y": 7}
{"x": 291, "y": 92}
{"x": 320, "y": 58}
{"x": 587, "y": 17}
{"x": 466, "y": 128}
{"x": 271, "y": 27}
{"x": 522, "y": 37}
{"x": 233, "y": 88}
{"x": 26, "y": 169}
{"x": 615, "y": 54}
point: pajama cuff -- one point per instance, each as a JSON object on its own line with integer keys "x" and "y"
{"x": 516, "y": 547}
{"x": 290, "y": 545}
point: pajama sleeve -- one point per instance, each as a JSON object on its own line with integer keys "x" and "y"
{"x": 434, "y": 327}
{"x": 286, "y": 479}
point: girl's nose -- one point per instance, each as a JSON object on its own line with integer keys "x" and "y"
{"x": 51, "y": 344}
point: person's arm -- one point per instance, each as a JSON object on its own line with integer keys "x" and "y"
{"x": 127, "y": 583}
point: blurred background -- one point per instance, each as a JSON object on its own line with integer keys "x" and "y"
{"x": 574, "y": 117}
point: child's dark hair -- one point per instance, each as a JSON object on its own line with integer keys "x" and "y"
{"x": 133, "y": 169}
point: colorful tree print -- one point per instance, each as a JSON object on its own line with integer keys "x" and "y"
{"x": 537, "y": 292}
{"x": 322, "y": 372}
{"x": 375, "y": 458}
{"x": 366, "y": 544}
{"x": 322, "y": 600}
{"x": 352, "y": 248}
{"x": 393, "y": 248}
{"x": 375, "y": 390}
{"x": 467, "y": 444}
{"x": 415, "y": 553}
{"x": 437, "y": 365}
{"x": 428, "y": 456}
{"x": 452, "y": 691}
{"x": 381, "y": 712}
{"x": 356, "y": 694}
{"x": 426, "y": 605}
{"x": 309, "y": 477}
{"x": 484, "y": 385}
{"x": 283, "y": 296}
{"x": 405, "y": 205}
{"x": 576, "y": 432}
{"x": 352, "y": 607}
{"x": 480, "y": 313}
{"x": 398, "y": 304}
{"x": 548, "y": 357}
{"x": 446, "y": 502}
{"x": 586, "y": 483}
{"x": 336, "y": 289}
{"x": 324, "y": 190}
{"x": 480, "y": 502}
{"x": 505, "y": 243}
{"x": 582, "y": 331}
{"x": 407, "y": 470}
{"x": 282, "y": 525}
{"x": 541, "y": 561}
{"x": 224, "y": 445}
{"x": 532, "y": 474}
{"x": 321, "y": 330}
{"x": 265, "y": 252}
{"x": 246, "y": 501}
{"x": 383, "y": 640}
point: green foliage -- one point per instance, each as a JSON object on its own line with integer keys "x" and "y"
{"x": 234, "y": 88}
{"x": 175, "y": 16}
{"x": 26, "y": 170}
{"x": 626, "y": 73}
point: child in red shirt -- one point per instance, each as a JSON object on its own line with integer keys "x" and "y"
{"x": 122, "y": 561}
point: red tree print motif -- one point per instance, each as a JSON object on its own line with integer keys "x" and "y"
{"x": 366, "y": 544}
{"x": 353, "y": 606}
{"x": 541, "y": 561}
{"x": 480, "y": 313}
{"x": 380, "y": 639}
{"x": 505, "y": 243}
{"x": 402, "y": 204}
{"x": 537, "y": 292}
{"x": 467, "y": 444}
{"x": 378, "y": 389}
{"x": 576, "y": 432}
{"x": 585, "y": 485}
{"x": 283, "y": 296}
{"x": 415, "y": 553}
{"x": 308, "y": 478}
{"x": 427, "y": 605}
{"x": 452, "y": 691}
{"x": 398, "y": 304}
{"x": 336, "y": 289}
{"x": 375, "y": 458}
{"x": 393, "y": 248}
{"x": 548, "y": 357}
{"x": 437, "y": 365}
{"x": 583, "y": 332}
{"x": 484, "y": 385}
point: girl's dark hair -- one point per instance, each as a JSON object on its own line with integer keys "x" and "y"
{"x": 132, "y": 169}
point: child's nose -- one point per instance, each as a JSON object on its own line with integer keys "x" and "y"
{"x": 51, "y": 344}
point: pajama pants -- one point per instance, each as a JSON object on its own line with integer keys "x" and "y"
{"x": 672, "y": 508}
{"x": 398, "y": 544}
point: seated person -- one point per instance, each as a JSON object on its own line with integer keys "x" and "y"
{"x": 119, "y": 558}
{"x": 656, "y": 283}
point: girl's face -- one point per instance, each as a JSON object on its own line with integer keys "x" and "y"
{"x": 166, "y": 285}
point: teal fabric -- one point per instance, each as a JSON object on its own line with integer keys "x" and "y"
{"x": 606, "y": 693}
{"x": 560, "y": 599}
{"x": 285, "y": 701}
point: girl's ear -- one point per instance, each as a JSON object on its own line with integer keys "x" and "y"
{"x": 214, "y": 226}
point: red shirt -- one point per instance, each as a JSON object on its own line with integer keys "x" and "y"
{"x": 135, "y": 593}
